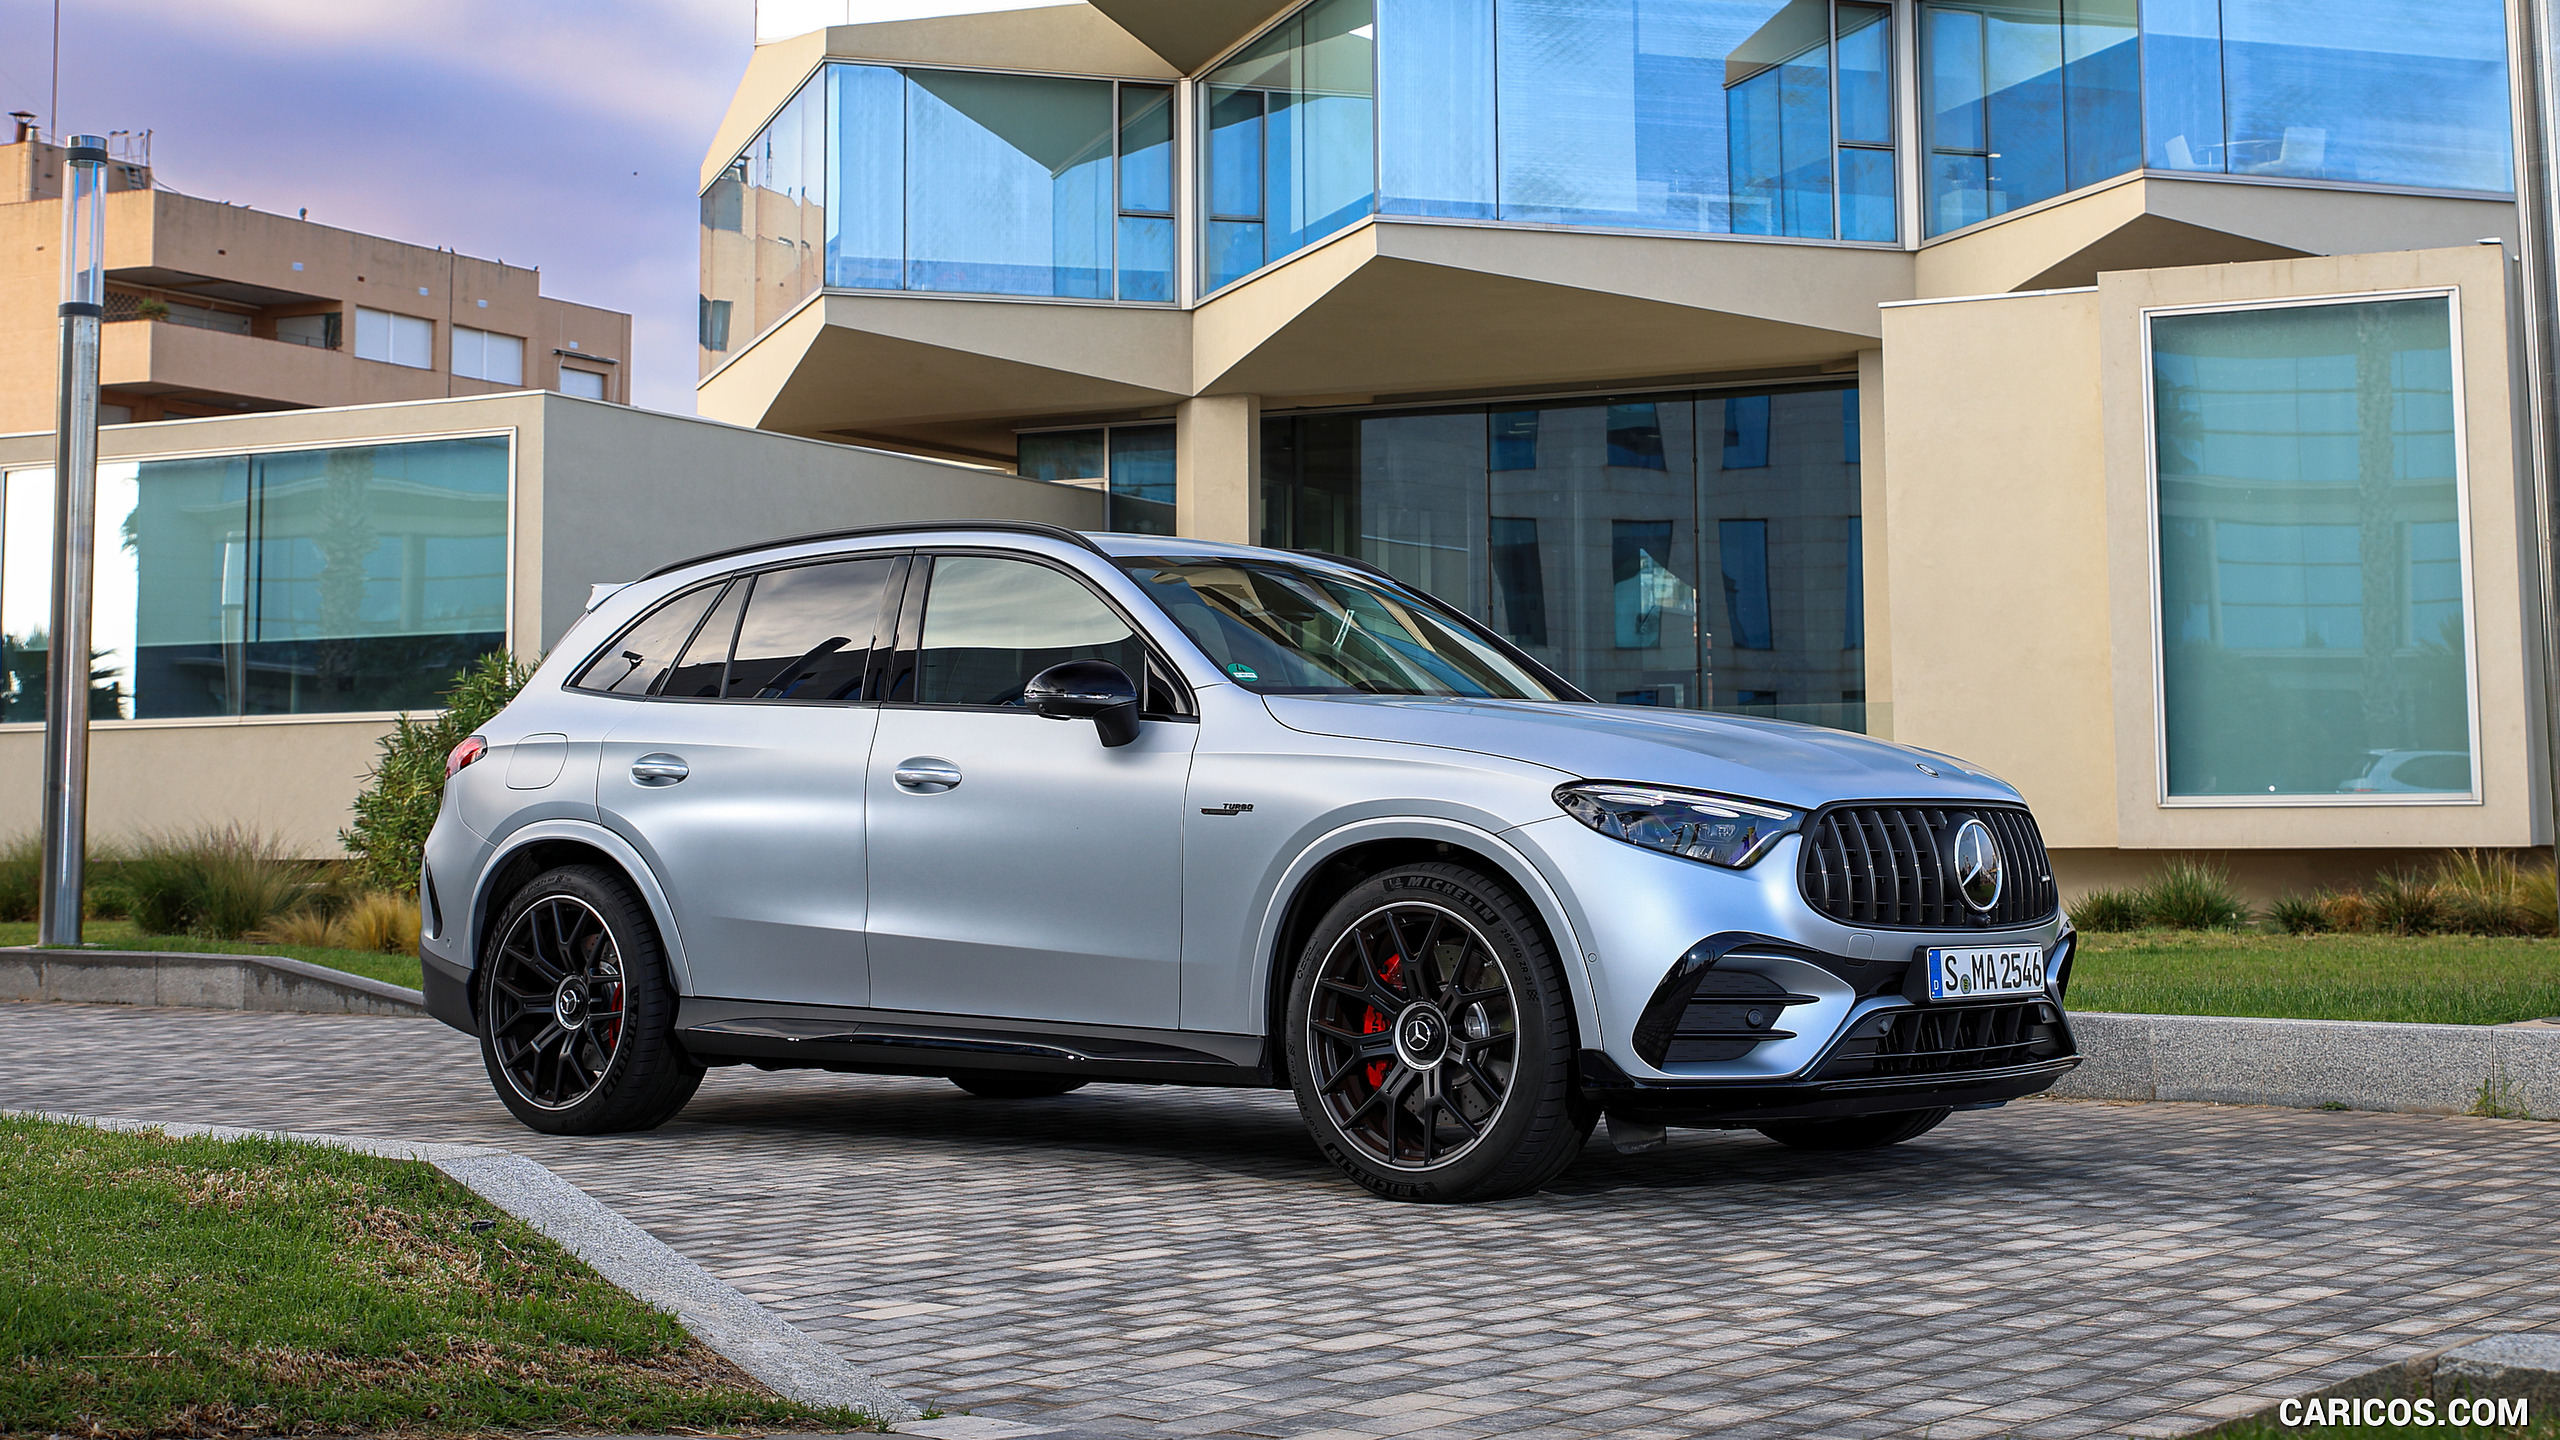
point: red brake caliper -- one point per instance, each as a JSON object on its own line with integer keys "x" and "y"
{"x": 1374, "y": 1022}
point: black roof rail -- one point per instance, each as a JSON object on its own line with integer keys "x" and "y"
{"x": 1076, "y": 538}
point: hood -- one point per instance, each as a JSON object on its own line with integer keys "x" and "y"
{"x": 1775, "y": 760}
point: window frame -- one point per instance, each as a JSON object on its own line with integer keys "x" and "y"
{"x": 891, "y": 606}
{"x": 2451, "y": 295}
{"x": 905, "y": 653}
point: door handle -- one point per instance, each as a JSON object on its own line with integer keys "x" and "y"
{"x": 925, "y": 775}
{"x": 658, "y": 769}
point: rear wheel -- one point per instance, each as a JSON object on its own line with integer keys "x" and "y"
{"x": 1431, "y": 1040}
{"x": 1857, "y": 1132}
{"x": 577, "y": 1016}
{"x": 1014, "y": 1084}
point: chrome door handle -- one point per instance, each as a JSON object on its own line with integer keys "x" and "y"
{"x": 925, "y": 775}
{"x": 658, "y": 769}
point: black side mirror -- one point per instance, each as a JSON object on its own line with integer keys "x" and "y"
{"x": 1095, "y": 690}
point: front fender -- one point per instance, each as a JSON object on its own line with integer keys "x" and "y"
{"x": 1515, "y": 867}
{"x": 597, "y": 837}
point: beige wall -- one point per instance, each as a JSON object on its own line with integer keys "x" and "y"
{"x": 603, "y": 493}
{"x": 2019, "y": 620}
{"x": 157, "y": 239}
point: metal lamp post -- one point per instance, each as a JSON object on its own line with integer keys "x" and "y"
{"x": 75, "y": 526}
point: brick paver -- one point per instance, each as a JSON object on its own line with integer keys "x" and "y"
{"x": 1180, "y": 1261}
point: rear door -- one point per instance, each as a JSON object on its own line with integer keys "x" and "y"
{"x": 740, "y": 776}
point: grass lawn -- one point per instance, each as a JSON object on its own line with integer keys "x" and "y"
{"x": 120, "y": 935}
{"x": 151, "y": 1287}
{"x": 2449, "y": 979}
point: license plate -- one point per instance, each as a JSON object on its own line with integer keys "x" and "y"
{"x": 1970, "y": 974}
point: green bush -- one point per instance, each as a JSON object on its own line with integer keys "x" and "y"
{"x": 218, "y": 884}
{"x": 2405, "y": 904}
{"x": 2299, "y": 915}
{"x": 406, "y": 784}
{"x": 21, "y": 877}
{"x": 2105, "y": 910}
{"x": 2191, "y": 895}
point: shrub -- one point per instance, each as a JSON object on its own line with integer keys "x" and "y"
{"x": 2404, "y": 904}
{"x": 2105, "y": 910}
{"x": 2488, "y": 893}
{"x": 21, "y": 877}
{"x": 371, "y": 921}
{"x": 2299, "y": 915}
{"x": 2191, "y": 895}
{"x": 2347, "y": 910}
{"x": 219, "y": 884}
{"x": 398, "y": 805}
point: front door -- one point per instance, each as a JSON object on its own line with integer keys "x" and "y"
{"x": 741, "y": 779}
{"x": 1019, "y": 869}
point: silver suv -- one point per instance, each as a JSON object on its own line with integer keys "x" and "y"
{"x": 1027, "y": 808}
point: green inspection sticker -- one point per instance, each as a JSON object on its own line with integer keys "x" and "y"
{"x": 1242, "y": 671}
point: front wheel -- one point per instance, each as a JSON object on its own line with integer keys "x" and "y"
{"x": 1431, "y": 1040}
{"x": 577, "y": 1016}
{"x": 1860, "y": 1132}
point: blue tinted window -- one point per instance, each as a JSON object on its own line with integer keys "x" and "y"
{"x": 2027, "y": 101}
{"x": 1292, "y": 141}
{"x": 2398, "y": 92}
{"x": 1849, "y": 427}
{"x": 1854, "y": 634}
{"x": 1746, "y": 432}
{"x": 1519, "y": 579}
{"x": 1009, "y": 184}
{"x": 1146, "y": 149}
{"x": 1744, "y": 544}
{"x": 867, "y": 226}
{"x": 1142, "y": 484}
{"x": 1435, "y": 107}
{"x": 1635, "y": 437}
{"x": 1515, "y": 439}
{"x": 1642, "y": 584}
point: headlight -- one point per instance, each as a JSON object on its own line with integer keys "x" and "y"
{"x": 1717, "y": 829}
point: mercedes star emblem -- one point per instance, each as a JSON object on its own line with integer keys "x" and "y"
{"x": 1977, "y": 865}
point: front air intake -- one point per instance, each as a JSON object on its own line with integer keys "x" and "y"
{"x": 1893, "y": 867}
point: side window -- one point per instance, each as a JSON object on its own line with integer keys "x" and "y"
{"x": 697, "y": 676}
{"x": 990, "y": 624}
{"x": 809, "y": 632}
{"x": 634, "y": 664}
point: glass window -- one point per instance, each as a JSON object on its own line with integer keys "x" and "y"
{"x": 585, "y": 384}
{"x": 2025, "y": 101}
{"x": 1009, "y": 184}
{"x": 2312, "y": 626}
{"x": 1436, "y": 108}
{"x": 1142, "y": 486}
{"x": 2400, "y": 92}
{"x": 1579, "y": 533}
{"x": 1146, "y": 192}
{"x": 484, "y": 355}
{"x": 1291, "y": 154}
{"x": 297, "y": 582}
{"x": 867, "y": 173}
{"x": 991, "y": 624}
{"x": 395, "y": 339}
{"x": 701, "y": 673}
{"x": 1067, "y": 457}
{"x": 1279, "y": 628}
{"x": 635, "y": 663}
{"x": 809, "y": 633}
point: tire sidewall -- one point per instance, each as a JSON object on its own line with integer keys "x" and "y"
{"x": 1540, "y": 1000}
{"x": 645, "y": 996}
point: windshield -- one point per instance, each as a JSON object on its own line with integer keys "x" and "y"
{"x": 1277, "y": 628}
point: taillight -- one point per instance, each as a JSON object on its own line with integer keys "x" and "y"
{"x": 463, "y": 754}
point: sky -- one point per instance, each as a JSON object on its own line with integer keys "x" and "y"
{"x": 564, "y": 134}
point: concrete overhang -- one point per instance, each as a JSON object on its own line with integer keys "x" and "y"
{"x": 2149, "y": 222}
{"x": 1189, "y": 33}
{"x": 948, "y": 376}
{"x": 1051, "y": 39}
{"x": 1420, "y": 308}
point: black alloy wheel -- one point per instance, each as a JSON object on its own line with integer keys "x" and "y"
{"x": 576, "y": 1013}
{"x": 1431, "y": 1040}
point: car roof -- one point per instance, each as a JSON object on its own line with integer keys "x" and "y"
{"x": 1110, "y": 545}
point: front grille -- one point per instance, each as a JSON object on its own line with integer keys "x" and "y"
{"x": 1886, "y": 866}
{"x": 1936, "y": 1042}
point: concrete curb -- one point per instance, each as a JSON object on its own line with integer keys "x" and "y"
{"x": 2500, "y": 1367}
{"x": 751, "y": 1337}
{"x": 2317, "y": 1064}
{"x": 204, "y": 982}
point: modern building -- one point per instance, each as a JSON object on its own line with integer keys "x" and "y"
{"x": 2132, "y": 399}
{"x": 276, "y": 588}
{"x": 216, "y": 309}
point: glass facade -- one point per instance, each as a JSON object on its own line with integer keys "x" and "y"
{"x": 293, "y": 583}
{"x": 1581, "y": 532}
{"x": 1290, "y": 149}
{"x": 877, "y": 178}
{"x": 2025, "y": 101}
{"x": 2312, "y": 589}
{"x": 1134, "y": 463}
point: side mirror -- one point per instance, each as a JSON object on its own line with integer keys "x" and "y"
{"x": 1095, "y": 690}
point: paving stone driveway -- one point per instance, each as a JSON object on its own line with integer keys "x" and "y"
{"x": 1176, "y": 1262}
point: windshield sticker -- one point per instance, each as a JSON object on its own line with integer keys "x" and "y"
{"x": 1242, "y": 671}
